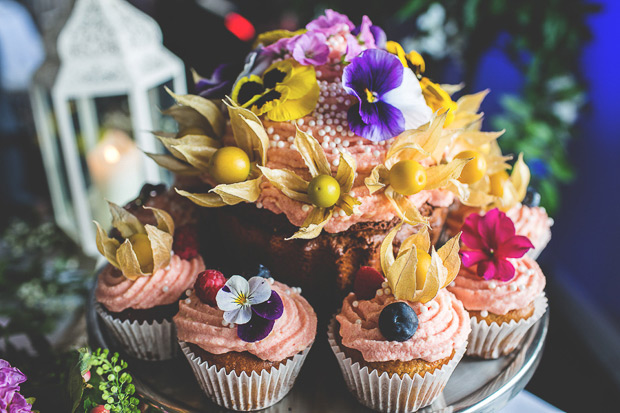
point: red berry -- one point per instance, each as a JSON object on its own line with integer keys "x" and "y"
{"x": 185, "y": 242}
{"x": 99, "y": 409}
{"x": 208, "y": 284}
{"x": 86, "y": 376}
{"x": 367, "y": 282}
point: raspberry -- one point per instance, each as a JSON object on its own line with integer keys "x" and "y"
{"x": 367, "y": 282}
{"x": 207, "y": 285}
{"x": 99, "y": 409}
{"x": 185, "y": 243}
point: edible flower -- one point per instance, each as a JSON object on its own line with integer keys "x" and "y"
{"x": 415, "y": 274}
{"x": 331, "y": 23}
{"x": 309, "y": 48}
{"x": 234, "y": 170}
{"x": 10, "y": 398}
{"x": 145, "y": 248}
{"x": 286, "y": 91}
{"x": 324, "y": 192}
{"x": 370, "y": 35}
{"x": 252, "y": 305}
{"x": 402, "y": 173}
{"x": 491, "y": 240}
{"x": 436, "y": 97}
{"x": 390, "y": 97}
{"x": 219, "y": 84}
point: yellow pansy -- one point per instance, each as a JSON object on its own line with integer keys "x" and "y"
{"x": 286, "y": 91}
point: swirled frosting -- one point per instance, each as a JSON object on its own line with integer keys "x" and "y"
{"x": 165, "y": 286}
{"x": 533, "y": 222}
{"x": 443, "y": 326}
{"x": 497, "y": 297}
{"x": 201, "y": 324}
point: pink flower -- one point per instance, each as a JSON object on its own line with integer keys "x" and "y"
{"x": 491, "y": 240}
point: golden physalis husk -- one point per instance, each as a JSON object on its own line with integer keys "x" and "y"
{"x": 416, "y": 145}
{"x": 296, "y": 188}
{"x": 251, "y": 137}
{"x": 466, "y": 115}
{"x": 515, "y": 188}
{"x": 400, "y": 271}
{"x": 200, "y": 125}
{"x": 123, "y": 256}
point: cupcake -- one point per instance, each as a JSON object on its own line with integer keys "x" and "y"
{"x": 500, "y": 287}
{"x": 245, "y": 340}
{"x": 137, "y": 293}
{"x": 532, "y": 221}
{"x": 397, "y": 341}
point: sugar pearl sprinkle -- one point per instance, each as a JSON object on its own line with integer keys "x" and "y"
{"x": 384, "y": 284}
{"x": 188, "y": 301}
{"x": 358, "y": 321}
{"x": 270, "y": 280}
{"x": 513, "y": 287}
{"x": 492, "y": 285}
{"x": 484, "y": 313}
{"x": 379, "y": 293}
{"x": 165, "y": 288}
{"x": 355, "y": 303}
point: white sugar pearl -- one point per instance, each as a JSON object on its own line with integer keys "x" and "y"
{"x": 339, "y": 128}
{"x": 224, "y": 323}
{"x": 165, "y": 288}
{"x": 300, "y": 122}
{"x": 270, "y": 130}
{"x": 376, "y": 153}
{"x": 355, "y": 303}
{"x": 358, "y": 321}
{"x": 188, "y": 292}
{"x": 387, "y": 291}
{"x": 452, "y": 284}
{"x": 188, "y": 301}
{"x": 492, "y": 285}
{"x": 312, "y": 123}
{"x": 305, "y": 207}
{"x": 276, "y": 137}
{"x": 319, "y": 122}
{"x": 321, "y": 132}
{"x": 337, "y": 140}
{"x": 281, "y": 144}
{"x": 384, "y": 284}
{"x": 521, "y": 287}
{"x": 530, "y": 272}
{"x": 332, "y": 145}
{"x": 259, "y": 205}
{"x": 329, "y": 121}
{"x": 345, "y": 144}
{"x": 484, "y": 313}
{"x": 522, "y": 268}
{"x": 273, "y": 144}
{"x": 332, "y": 132}
{"x": 270, "y": 280}
{"x": 336, "y": 162}
{"x": 326, "y": 139}
{"x": 328, "y": 128}
{"x": 513, "y": 287}
{"x": 319, "y": 73}
{"x": 231, "y": 325}
{"x": 290, "y": 139}
{"x": 379, "y": 293}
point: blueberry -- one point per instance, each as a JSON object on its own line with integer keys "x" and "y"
{"x": 532, "y": 198}
{"x": 398, "y": 322}
{"x": 263, "y": 271}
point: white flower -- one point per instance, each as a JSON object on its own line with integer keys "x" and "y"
{"x": 238, "y": 296}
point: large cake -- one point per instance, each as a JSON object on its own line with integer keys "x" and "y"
{"x": 326, "y": 139}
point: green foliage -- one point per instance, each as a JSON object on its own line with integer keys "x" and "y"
{"x": 112, "y": 385}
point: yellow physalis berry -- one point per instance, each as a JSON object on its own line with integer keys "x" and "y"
{"x": 142, "y": 247}
{"x": 229, "y": 165}
{"x": 475, "y": 169}
{"x": 497, "y": 183}
{"x": 421, "y": 269}
{"x": 407, "y": 177}
{"x": 324, "y": 191}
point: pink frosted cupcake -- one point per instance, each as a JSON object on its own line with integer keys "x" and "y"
{"x": 245, "y": 340}
{"x": 502, "y": 290}
{"x": 533, "y": 222}
{"x": 398, "y": 340}
{"x": 138, "y": 292}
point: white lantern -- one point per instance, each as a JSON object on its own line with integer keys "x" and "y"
{"x": 107, "y": 48}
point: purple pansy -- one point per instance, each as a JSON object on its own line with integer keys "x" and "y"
{"x": 219, "y": 84}
{"x": 390, "y": 98}
{"x": 331, "y": 23}
{"x": 10, "y": 399}
{"x": 370, "y": 35}
{"x": 309, "y": 48}
{"x": 252, "y": 305}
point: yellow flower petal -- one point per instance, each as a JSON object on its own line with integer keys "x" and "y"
{"x": 416, "y": 62}
{"x": 449, "y": 254}
{"x": 312, "y": 153}
{"x": 301, "y": 82}
{"x": 345, "y": 175}
{"x": 210, "y": 200}
{"x": 107, "y": 246}
{"x": 395, "y": 48}
{"x": 247, "y": 90}
{"x": 314, "y": 223}
{"x": 206, "y": 108}
{"x": 289, "y": 183}
{"x": 291, "y": 109}
{"x": 440, "y": 175}
{"x": 246, "y": 191}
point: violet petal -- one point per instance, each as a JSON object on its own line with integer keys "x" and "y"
{"x": 391, "y": 122}
{"x": 255, "y": 330}
{"x": 271, "y": 309}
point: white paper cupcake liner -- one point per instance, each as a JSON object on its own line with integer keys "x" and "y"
{"x": 245, "y": 392}
{"x": 395, "y": 393}
{"x": 147, "y": 341}
{"x": 493, "y": 341}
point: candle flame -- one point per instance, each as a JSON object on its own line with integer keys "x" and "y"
{"x": 111, "y": 154}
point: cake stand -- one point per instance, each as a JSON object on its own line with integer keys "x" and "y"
{"x": 475, "y": 386}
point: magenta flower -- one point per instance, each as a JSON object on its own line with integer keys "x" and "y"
{"x": 331, "y": 23}
{"x": 309, "y": 48}
{"x": 491, "y": 240}
{"x": 10, "y": 399}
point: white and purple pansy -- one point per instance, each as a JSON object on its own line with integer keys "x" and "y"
{"x": 252, "y": 305}
{"x": 390, "y": 97}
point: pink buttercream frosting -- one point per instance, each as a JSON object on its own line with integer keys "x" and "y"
{"x": 497, "y": 297}
{"x": 443, "y": 327}
{"x": 533, "y": 222}
{"x": 201, "y": 324}
{"x": 165, "y": 286}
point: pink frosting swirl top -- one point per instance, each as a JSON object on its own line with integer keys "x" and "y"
{"x": 533, "y": 222}
{"x": 497, "y": 297}
{"x": 201, "y": 324}
{"x": 443, "y": 326}
{"x": 165, "y": 286}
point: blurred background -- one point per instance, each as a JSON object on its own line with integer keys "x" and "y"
{"x": 93, "y": 85}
